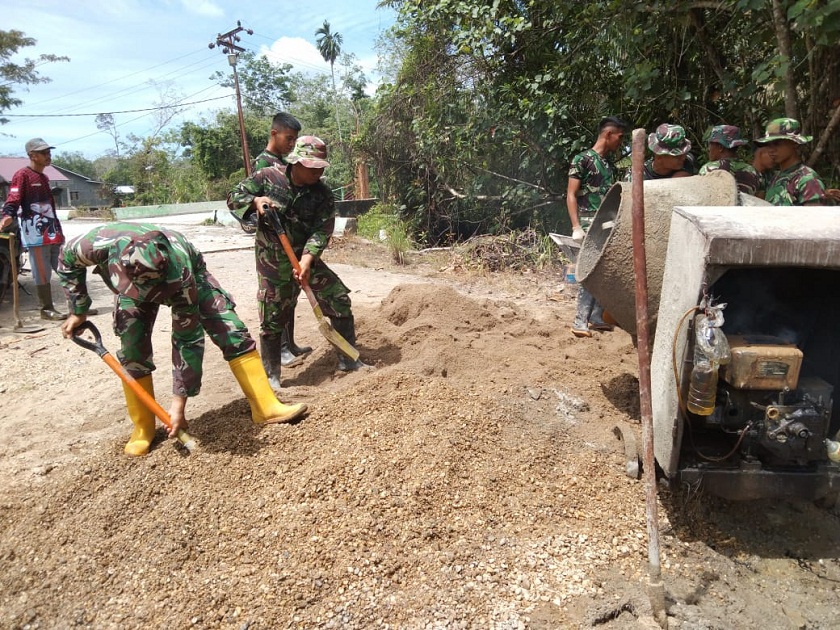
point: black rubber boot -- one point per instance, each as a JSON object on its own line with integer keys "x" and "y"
{"x": 48, "y": 311}
{"x": 270, "y": 353}
{"x": 290, "y": 353}
{"x": 289, "y": 339}
{"x": 346, "y": 327}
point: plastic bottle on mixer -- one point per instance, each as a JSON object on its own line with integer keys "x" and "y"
{"x": 711, "y": 350}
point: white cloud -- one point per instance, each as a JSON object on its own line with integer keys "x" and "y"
{"x": 303, "y": 55}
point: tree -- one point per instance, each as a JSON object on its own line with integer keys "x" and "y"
{"x": 12, "y": 74}
{"x": 264, "y": 85}
{"x": 329, "y": 45}
{"x": 75, "y": 161}
{"x": 107, "y": 123}
{"x": 212, "y": 144}
{"x": 476, "y": 130}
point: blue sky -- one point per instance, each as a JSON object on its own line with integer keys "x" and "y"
{"x": 118, "y": 47}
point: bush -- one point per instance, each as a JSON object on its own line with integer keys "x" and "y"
{"x": 383, "y": 223}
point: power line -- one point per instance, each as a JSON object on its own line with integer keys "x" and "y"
{"x": 124, "y": 111}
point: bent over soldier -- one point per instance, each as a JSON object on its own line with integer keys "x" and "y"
{"x": 147, "y": 266}
{"x": 306, "y": 209}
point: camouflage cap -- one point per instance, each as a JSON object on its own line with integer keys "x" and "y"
{"x": 783, "y": 129}
{"x": 139, "y": 263}
{"x": 309, "y": 151}
{"x": 727, "y": 136}
{"x": 669, "y": 140}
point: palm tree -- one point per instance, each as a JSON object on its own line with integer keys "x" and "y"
{"x": 329, "y": 45}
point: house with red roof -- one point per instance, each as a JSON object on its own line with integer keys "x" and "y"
{"x": 71, "y": 190}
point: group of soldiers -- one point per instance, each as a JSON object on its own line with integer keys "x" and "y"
{"x": 776, "y": 174}
{"x": 147, "y": 266}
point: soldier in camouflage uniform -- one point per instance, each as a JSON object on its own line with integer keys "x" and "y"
{"x": 590, "y": 177}
{"x": 284, "y": 133}
{"x": 724, "y": 141}
{"x": 795, "y": 184}
{"x": 671, "y": 154}
{"x": 147, "y": 266}
{"x": 306, "y": 209}
{"x": 285, "y": 129}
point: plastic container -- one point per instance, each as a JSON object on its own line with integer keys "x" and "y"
{"x": 711, "y": 350}
{"x": 569, "y": 272}
{"x": 702, "y": 390}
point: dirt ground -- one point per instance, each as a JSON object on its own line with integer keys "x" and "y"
{"x": 473, "y": 479}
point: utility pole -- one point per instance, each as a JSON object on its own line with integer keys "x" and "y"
{"x": 227, "y": 42}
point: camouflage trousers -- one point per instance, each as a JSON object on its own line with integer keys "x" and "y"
{"x": 278, "y": 290}
{"x": 213, "y": 313}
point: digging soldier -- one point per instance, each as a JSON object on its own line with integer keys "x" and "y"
{"x": 146, "y": 267}
{"x": 724, "y": 141}
{"x": 306, "y": 210}
{"x": 284, "y": 133}
{"x": 590, "y": 177}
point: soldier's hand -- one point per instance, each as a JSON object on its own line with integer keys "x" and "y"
{"x": 177, "y": 414}
{"x": 261, "y": 202}
{"x": 72, "y": 323}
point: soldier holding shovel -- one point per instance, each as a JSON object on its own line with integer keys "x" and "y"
{"x": 305, "y": 209}
{"x": 147, "y": 266}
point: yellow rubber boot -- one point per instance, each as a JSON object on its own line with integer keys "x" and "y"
{"x": 265, "y": 408}
{"x": 142, "y": 417}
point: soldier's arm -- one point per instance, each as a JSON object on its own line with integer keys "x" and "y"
{"x": 72, "y": 274}
{"x": 572, "y": 202}
{"x": 240, "y": 200}
{"x": 811, "y": 190}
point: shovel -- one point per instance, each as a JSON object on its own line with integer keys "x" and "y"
{"x": 324, "y": 326}
{"x": 19, "y": 327}
{"x": 153, "y": 406}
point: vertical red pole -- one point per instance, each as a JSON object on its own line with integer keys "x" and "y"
{"x": 656, "y": 589}
{"x": 246, "y": 155}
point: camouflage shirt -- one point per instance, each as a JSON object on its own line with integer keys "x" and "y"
{"x": 265, "y": 159}
{"x": 795, "y": 186}
{"x": 306, "y": 212}
{"x": 596, "y": 175}
{"x": 764, "y": 180}
{"x": 649, "y": 173}
{"x": 139, "y": 260}
{"x": 745, "y": 175}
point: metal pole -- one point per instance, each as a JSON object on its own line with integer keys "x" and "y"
{"x": 227, "y": 42}
{"x": 656, "y": 588}
{"x": 246, "y": 155}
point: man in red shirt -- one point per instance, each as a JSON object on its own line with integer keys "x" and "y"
{"x": 31, "y": 201}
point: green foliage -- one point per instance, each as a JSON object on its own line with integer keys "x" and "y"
{"x": 75, "y": 161}
{"x": 15, "y": 74}
{"x": 492, "y": 99}
{"x": 383, "y": 221}
{"x": 329, "y": 43}
{"x": 263, "y": 85}
{"x": 215, "y": 147}
{"x": 380, "y": 217}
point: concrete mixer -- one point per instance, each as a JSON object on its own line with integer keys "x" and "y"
{"x": 744, "y": 300}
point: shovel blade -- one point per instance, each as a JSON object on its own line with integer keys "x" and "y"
{"x": 337, "y": 340}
